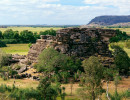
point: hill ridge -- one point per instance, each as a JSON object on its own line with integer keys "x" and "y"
{"x": 110, "y": 19}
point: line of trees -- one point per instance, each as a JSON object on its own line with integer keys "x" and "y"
{"x": 11, "y": 37}
{"x": 120, "y": 36}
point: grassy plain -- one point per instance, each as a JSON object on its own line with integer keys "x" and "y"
{"x": 27, "y": 83}
{"x": 33, "y": 29}
{"x": 21, "y": 49}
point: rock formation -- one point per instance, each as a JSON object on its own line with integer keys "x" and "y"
{"x": 78, "y": 42}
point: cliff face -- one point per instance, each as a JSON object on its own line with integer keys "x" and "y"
{"x": 78, "y": 42}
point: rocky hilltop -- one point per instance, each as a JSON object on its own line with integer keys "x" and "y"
{"x": 109, "y": 20}
{"x": 78, "y": 42}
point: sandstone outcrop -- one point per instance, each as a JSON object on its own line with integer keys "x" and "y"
{"x": 78, "y": 42}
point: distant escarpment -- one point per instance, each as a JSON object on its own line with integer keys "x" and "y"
{"x": 79, "y": 42}
{"x": 109, "y": 20}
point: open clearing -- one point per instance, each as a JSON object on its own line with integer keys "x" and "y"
{"x": 33, "y": 29}
{"x": 27, "y": 83}
{"x": 21, "y": 49}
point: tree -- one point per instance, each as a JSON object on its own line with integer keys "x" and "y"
{"x": 93, "y": 75}
{"x": 117, "y": 79}
{"x": 8, "y": 34}
{"x": 122, "y": 60}
{"x": 46, "y": 91}
{"x": 16, "y": 35}
{"x": 48, "y": 32}
{"x": 1, "y": 36}
{"x": 36, "y": 35}
{"x": 108, "y": 74}
{"x": 116, "y": 95}
{"x": 2, "y": 44}
{"x": 64, "y": 75}
{"x": 119, "y": 36}
{"x": 27, "y": 36}
{"x": 52, "y": 62}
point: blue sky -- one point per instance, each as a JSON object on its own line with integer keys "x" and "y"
{"x": 59, "y": 12}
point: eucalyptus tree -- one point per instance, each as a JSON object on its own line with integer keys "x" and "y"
{"x": 93, "y": 76}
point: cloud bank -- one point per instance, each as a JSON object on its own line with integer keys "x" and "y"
{"x": 59, "y": 11}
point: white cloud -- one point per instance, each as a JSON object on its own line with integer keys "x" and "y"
{"x": 115, "y": 3}
{"x": 52, "y": 12}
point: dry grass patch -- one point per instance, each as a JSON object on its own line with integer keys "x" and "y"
{"x": 21, "y": 83}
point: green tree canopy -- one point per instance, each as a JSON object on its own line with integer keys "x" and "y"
{"x": 2, "y": 44}
{"x": 119, "y": 36}
{"x": 93, "y": 75}
{"x": 27, "y": 36}
{"x": 8, "y": 34}
{"x": 48, "y": 32}
{"x": 57, "y": 64}
{"x": 122, "y": 60}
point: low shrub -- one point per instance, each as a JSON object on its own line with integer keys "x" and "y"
{"x": 29, "y": 45}
{"x": 4, "y": 58}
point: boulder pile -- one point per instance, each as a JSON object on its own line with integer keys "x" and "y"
{"x": 78, "y": 42}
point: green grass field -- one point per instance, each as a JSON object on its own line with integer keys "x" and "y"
{"x": 21, "y": 49}
{"x": 33, "y": 29}
{"x": 127, "y": 30}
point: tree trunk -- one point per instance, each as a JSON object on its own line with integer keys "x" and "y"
{"x": 93, "y": 95}
{"x": 107, "y": 93}
{"x": 71, "y": 88}
{"x": 116, "y": 88}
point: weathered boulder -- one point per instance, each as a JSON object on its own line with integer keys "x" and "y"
{"x": 18, "y": 57}
{"x": 22, "y": 69}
